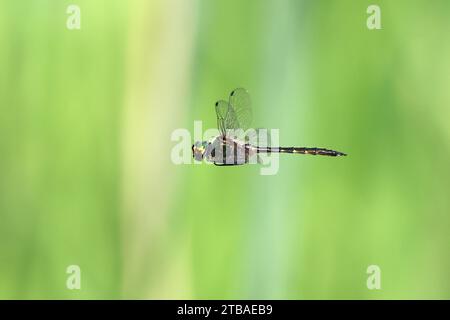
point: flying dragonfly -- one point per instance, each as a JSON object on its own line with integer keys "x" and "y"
{"x": 227, "y": 149}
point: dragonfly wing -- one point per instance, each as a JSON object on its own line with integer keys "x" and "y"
{"x": 222, "y": 109}
{"x": 240, "y": 114}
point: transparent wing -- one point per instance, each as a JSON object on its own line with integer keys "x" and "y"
{"x": 239, "y": 115}
{"x": 222, "y": 109}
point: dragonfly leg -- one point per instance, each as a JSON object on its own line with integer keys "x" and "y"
{"x": 227, "y": 164}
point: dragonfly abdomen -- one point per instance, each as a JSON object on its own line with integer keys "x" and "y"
{"x": 302, "y": 150}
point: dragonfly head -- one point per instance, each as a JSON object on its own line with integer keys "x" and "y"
{"x": 198, "y": 150}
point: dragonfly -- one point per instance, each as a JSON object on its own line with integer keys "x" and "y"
{"x": 227, "y": 149}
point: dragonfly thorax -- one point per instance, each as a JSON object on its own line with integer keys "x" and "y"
{"x": 220, "y": 150}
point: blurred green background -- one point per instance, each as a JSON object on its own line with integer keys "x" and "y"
{"x": 86, "y": 177}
